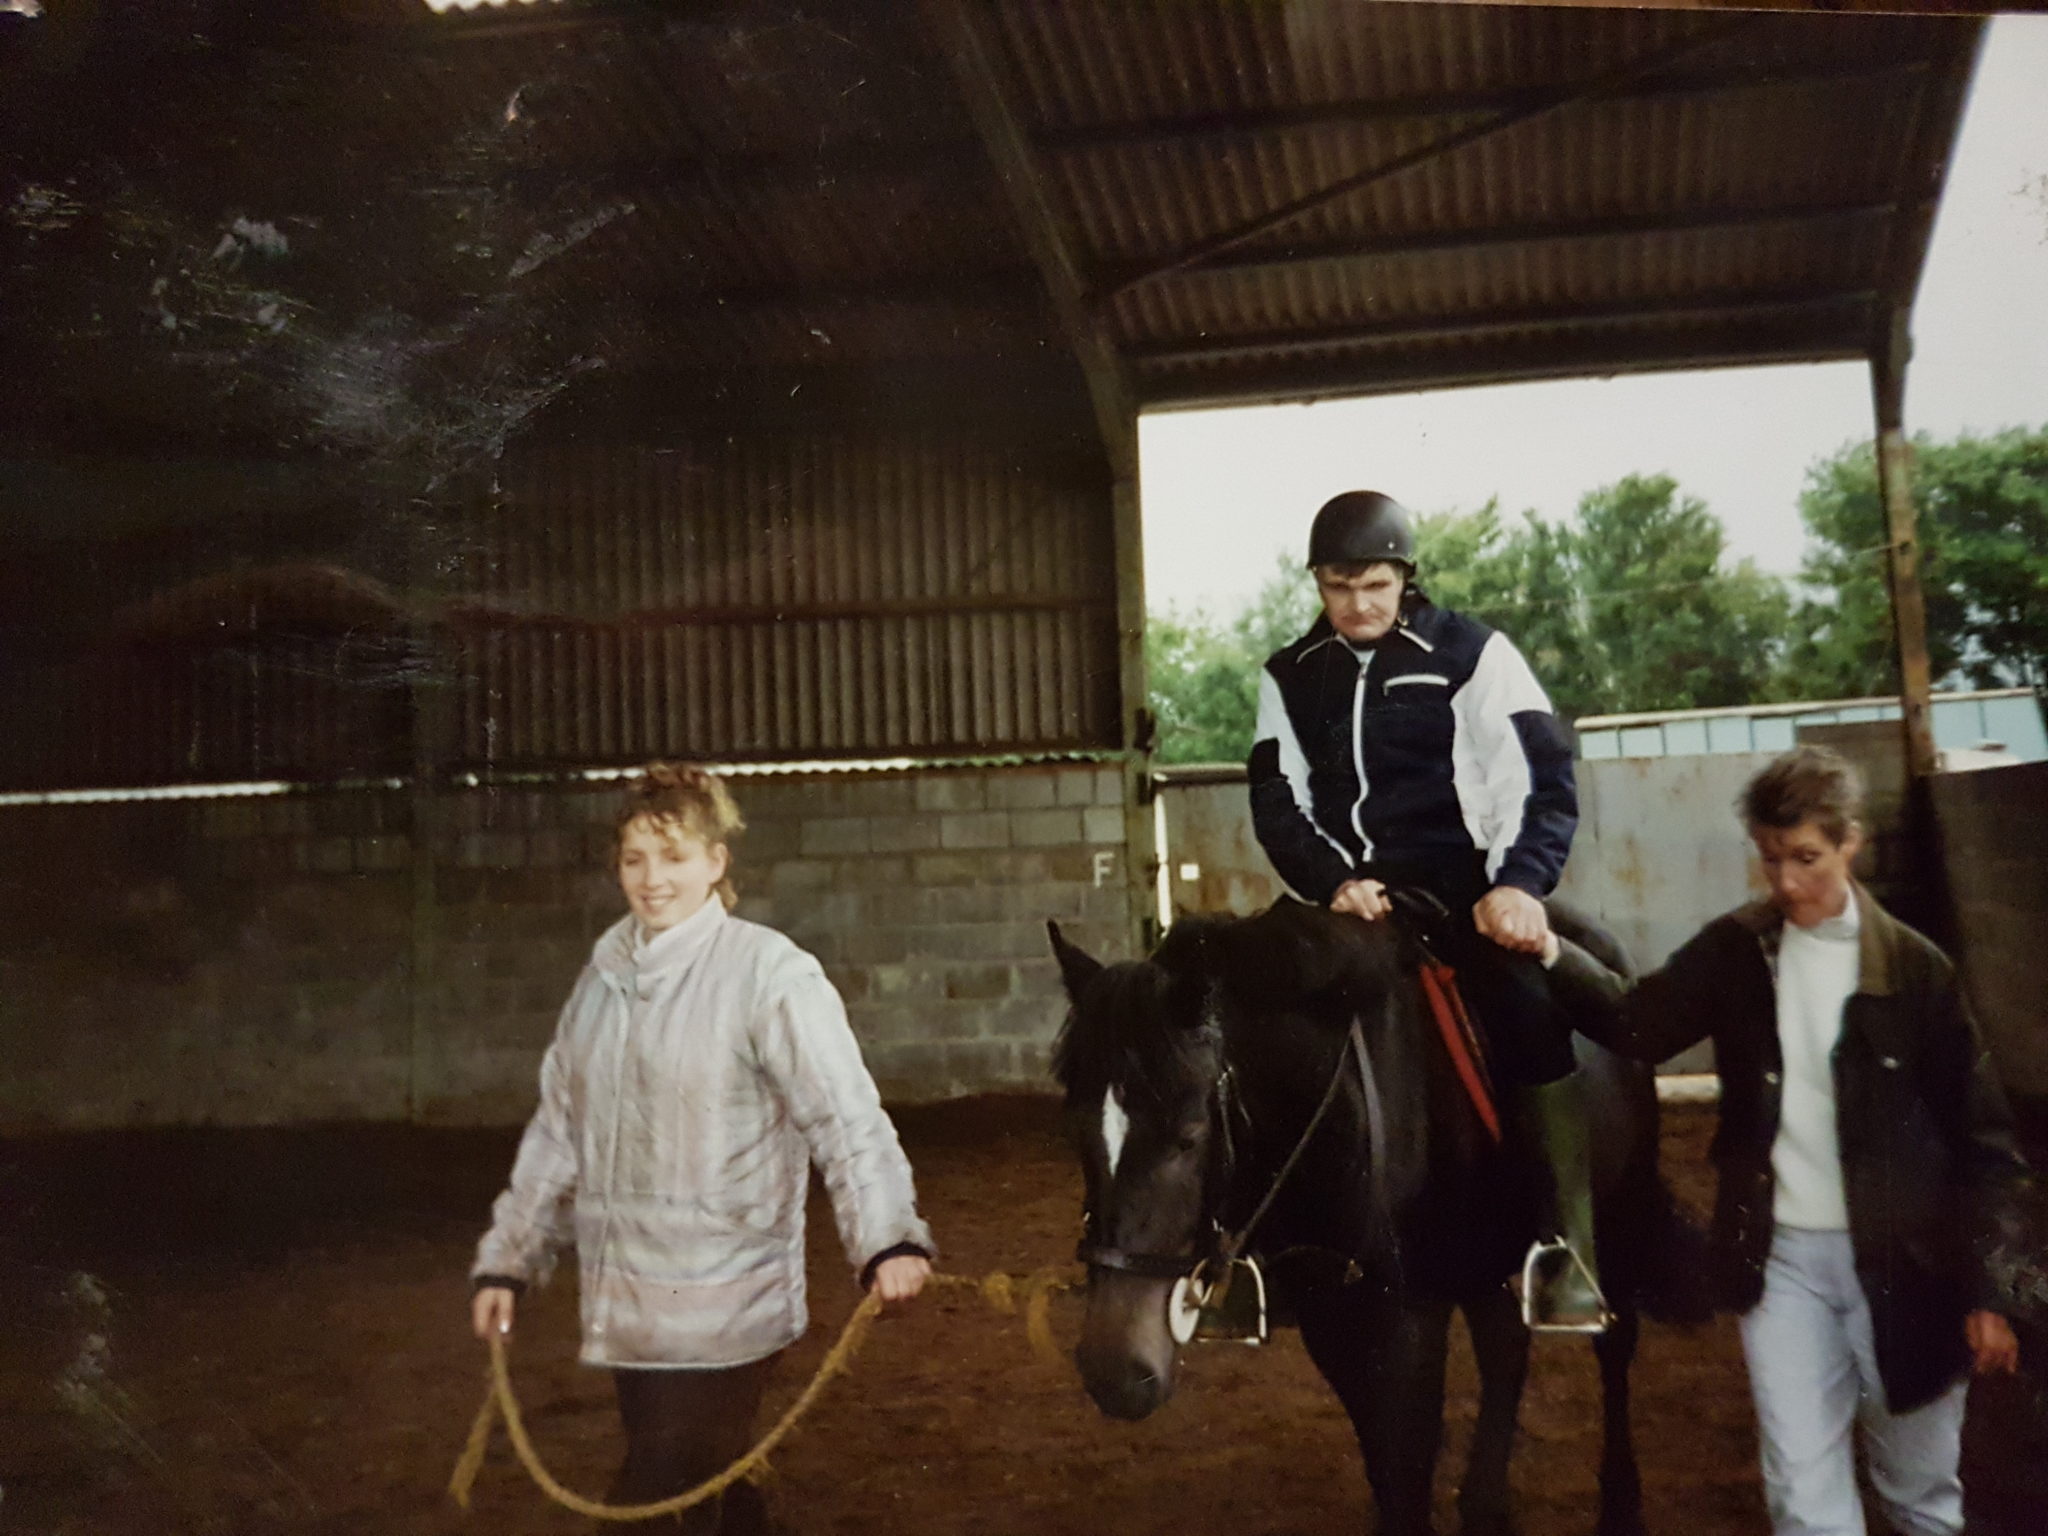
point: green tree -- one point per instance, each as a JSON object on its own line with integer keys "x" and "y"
{"x": 1983, "y": 516}
{"x": 1631, "y": 607}
{"x": 1667, "y": 623}
{"x": 1205, "y": 671}
{"x": 1844, "y": 646}
{"x": 1518, "y": 578}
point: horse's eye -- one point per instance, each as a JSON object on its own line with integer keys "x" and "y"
{"x": 1190, "y": 1137}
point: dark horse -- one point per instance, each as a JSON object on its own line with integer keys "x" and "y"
{"x": 1193, "y": 1077}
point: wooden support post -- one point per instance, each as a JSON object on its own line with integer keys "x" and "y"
{"x": 1142, "y": 853}
{"x": 433, "y": 742}
{"x": 1895, "y": 485}
{"x": 978, "y": 74}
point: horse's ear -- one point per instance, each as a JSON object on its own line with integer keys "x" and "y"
{"x": 1077, "y": 968}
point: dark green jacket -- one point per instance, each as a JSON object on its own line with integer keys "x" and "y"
{"x": 1928, "y": 1160}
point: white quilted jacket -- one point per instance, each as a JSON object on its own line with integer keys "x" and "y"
{"x": 691, "y": 1082}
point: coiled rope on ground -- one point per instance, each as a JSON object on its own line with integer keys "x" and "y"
{"x": 1033, "y": 1294}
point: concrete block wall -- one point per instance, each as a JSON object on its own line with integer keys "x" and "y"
{"x": 520, "y": 890}
{"x": 1994, "y": 841}
{"x": 295, "y": 959}
{"x": 926, "y": 897}
{"x": 194, "y": 963}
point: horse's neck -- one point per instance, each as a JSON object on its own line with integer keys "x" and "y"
{"x": 1427, "y": 1126}
{"x": 1407, "y": 1081}
{"x": 1454, "y": 1131}
{"x": 1390, "y": 1101}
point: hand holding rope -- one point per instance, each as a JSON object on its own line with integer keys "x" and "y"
{"x": 998, "y": 1289}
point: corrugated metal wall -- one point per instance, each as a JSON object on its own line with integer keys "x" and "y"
{"x": 771, "y": 597}
{"x": 274, "y": 708}
{"x": 197, "y": 621}
{"x": 786, "y": 598}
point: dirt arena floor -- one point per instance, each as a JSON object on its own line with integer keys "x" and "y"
{"x": 253, "y": 1332}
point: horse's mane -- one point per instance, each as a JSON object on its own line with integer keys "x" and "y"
{"x": 1306, "y": 959}
{"x": 1136, "y": 1015}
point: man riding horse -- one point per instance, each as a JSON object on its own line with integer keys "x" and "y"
{"x": 1403, "y": 745}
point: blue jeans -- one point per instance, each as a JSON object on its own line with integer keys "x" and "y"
{"x": 1813, "y": 1375}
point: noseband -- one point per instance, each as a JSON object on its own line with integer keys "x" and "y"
{"x": 1224, "y": 1247}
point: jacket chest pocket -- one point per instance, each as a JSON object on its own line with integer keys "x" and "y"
{"x": 1878, "y": 1041}
{"x": 1410, "y": 714}
{"x": 1879, "y": 1102}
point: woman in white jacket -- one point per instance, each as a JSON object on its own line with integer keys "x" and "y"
{"x": 700, "y": 1065}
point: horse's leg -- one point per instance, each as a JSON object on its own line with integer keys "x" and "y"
{"x": 1500, "y": 1348}
{"x": 1385, "y": 1361}
{"x": 1621, "y": 1486}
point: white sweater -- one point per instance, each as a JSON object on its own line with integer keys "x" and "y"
{"x": 1817, "y": 972}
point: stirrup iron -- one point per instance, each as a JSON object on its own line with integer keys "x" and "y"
{"x": 1231, "y": 1309}
{"x": 1543, "y": 1269}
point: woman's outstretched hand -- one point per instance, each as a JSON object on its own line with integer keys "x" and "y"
{"x": 490, "y": 1311}
{"x": 900, "y": 1278}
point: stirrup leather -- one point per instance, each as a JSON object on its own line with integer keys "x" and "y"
{"x": 1542, "y": 1270}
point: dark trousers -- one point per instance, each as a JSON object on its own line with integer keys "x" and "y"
{"x": 1528, "y": 1037}
{"x": 683, "y": 1426}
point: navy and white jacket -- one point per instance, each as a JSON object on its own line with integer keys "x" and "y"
{"x": 1429, "y": 744}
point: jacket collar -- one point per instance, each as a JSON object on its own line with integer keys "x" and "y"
{"x": 1322, "y": 633}
{"x": 623, "y": 957}
{"x": 1876, "y": 938}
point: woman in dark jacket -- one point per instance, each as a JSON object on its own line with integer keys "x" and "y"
{"x": 1865, "y": 1154}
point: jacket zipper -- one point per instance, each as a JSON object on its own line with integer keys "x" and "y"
{"x": 611, "y": 1169}
{"x": 1358, "y": 754}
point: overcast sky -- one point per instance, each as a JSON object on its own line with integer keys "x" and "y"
{"x": 1224, "y": 491}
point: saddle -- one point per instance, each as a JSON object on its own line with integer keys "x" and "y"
{"x": 1461, "y": 1040}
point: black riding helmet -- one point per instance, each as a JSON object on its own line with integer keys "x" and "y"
{"x": 1361, "y": 528}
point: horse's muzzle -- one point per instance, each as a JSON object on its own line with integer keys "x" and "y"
{"x": 1127, "y": 1389}
{"x": 1126, "y": 1354}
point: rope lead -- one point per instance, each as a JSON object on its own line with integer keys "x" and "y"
{"x": 500, "y": 1401}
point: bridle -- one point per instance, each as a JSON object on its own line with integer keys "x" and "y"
{"x": 1225, "y": 1246}
{"x": 1421, "y": 910}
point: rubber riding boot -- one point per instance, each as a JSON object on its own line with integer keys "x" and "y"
{"x": 1561, "y": 1280}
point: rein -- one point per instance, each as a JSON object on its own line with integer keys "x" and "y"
{"x": 1233, "y": 1243}
{"x": 1422, "y": 909}
{"x": 1160, "y": 1266}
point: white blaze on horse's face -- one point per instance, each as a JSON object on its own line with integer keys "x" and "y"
{"x": 1116, "y": 1125}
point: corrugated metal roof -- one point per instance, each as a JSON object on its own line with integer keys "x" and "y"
{"x": 1743, "y": 198}
{"x": 389, "y": 247}
{"x": 756, "y": 189}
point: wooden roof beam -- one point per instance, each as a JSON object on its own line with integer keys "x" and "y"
{"x": 1937, "y": 109}
{"x": 1223, "y": 349}
{"x": 1151, "y": 133}
{"x": 977, "y": 76}
{"x": 735, "y": 174}
{"x": 1004, "y": 287}
{"x": 1931, "y": 145}
{"x": 1753, "y": 343}
{"x": 1598, "y": 87}
{"x": 1438, "y": 242}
